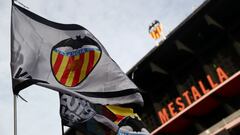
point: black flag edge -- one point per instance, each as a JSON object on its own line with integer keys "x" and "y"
{"x": 110, "y": 94}
{"x": 60, "y": 26}
{"x": 47, "y": 22}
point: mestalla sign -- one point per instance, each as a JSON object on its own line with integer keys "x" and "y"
{"x": 191, "y": 95}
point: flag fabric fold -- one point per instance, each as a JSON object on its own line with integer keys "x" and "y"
{"x": 67, "y": 58}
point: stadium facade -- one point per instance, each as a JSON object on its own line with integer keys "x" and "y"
{"x": 191, "y": 81}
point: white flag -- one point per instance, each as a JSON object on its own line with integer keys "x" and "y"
{"x": 66, "y": 58}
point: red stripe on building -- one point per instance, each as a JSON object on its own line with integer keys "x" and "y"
{"x": 91, "y": 61}
{"x": 57, "y": 63}
{"x": 78, "y": 70}
{"x": 67, "y": 70}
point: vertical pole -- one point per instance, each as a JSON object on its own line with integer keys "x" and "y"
{"x": 15, "y": 113}
{"x": 14, "y": 96}
{"x": 62, "y": 129}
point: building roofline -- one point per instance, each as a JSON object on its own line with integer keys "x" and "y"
{"x": 171, "y": 34}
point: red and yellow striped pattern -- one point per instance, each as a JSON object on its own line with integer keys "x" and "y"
{"x": 156, "y": 32}
{"x": 121, "y": 112}
{"x": 72, "y": 70}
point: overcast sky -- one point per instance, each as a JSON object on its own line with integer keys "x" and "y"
{"x": 120, "y": 25}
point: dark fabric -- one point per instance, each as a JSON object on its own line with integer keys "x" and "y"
{"x": 135, "y": 123}
{"x": 68, "y": 111}
{"x": 110, "y": 94}
{"x": 49, "y": 23}
{"x": 25, "y": 84}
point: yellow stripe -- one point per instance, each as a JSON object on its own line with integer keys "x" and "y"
{"x": 54, "y": 57}
{"x": 84, "y": 67}
{"x": 72, "y": 72}
{"x": 62, "y": 67}
{"x": 120, "y": 110}
{"x": 153, "y": 35}
{"x": 157, "y": 34}
{"x": 96, "y": 56}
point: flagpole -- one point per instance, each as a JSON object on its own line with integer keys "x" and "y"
{"x": 14, "y": 96}
{"x": 62, "y": 129}
{"x": 15, "y": 113}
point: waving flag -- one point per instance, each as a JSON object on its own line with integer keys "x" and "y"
{"x": 67, "y": 58}
{"x": 156, "y": 30}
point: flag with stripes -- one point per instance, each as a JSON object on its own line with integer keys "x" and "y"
{"x": 70, "y": 67}
{"x": 155, "y": 30}
{"x": 66, "y": 58}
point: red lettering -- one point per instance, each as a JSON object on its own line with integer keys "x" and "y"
{"x": 172, "y": 109}
{"x": 204, "y": 90}
{"x": 163, "y": 115}
{"x": 180, "y": 103}
{"x": 185, "y": 94}
{"x": 222, "y": 76}
{"x": 195, "y": 93}
{"x": 212, "y": 84}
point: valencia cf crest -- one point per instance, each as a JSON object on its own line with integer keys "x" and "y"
{"x": 72, "y": 60}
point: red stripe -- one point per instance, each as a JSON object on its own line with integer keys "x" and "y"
{"x": 67, "y": 70}
{"x": 90, "y": 62}
{"x": 119, "y": 118}
{"x": 107, "y": 113}
{"x": 78, "y": 70}
{"x": 57, "y": 63}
